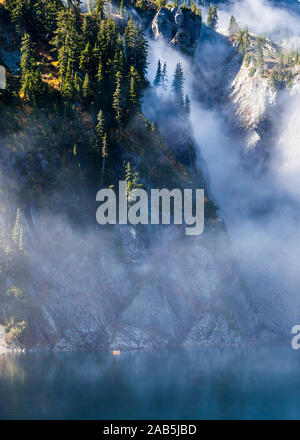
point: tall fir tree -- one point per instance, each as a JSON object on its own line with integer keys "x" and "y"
{"x": 164, "y": 77}
{"x": 117, "y": 97}
{"x": 177, "y": 85}
{"x": 158, "y": 77}
{"x": 233, "y": 28}
{"x": 212, "y": 17}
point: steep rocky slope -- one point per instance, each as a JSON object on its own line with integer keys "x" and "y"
{"x": 133, "y": 287}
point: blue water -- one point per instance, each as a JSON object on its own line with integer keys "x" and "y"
{"x": 215, "y": 383}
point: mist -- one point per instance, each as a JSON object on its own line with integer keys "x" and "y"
{"x": 260, "y": 209}
{"x": 264, "y": 18}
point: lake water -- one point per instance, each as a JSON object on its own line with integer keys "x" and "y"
{"x": 214, "y": 383}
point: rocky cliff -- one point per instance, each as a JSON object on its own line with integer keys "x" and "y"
{"x": 136, "y": 287}
{"x": 179, "y": 27}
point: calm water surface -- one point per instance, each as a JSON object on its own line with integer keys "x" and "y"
{"x": 240, "y": 383}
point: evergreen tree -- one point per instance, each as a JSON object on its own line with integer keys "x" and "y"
{"x": 104, "y": 152}
{"x": 177, "y": 85}
{"x": 100, "y": 125}
{"x": 130, "y": 37}
{"x": 164, "y": 77}
{"x": 212, "y": 17}
{"x": 187, "y": 104}
{"x": 47, "y": 13}
{"x": 98, "y": 11}
{"x": 31, "y": 79}
{"x": 99, "y": 78}
{"x": 158, "y": 77}
{"x": 27, "y": 56}
{"x": 86, "y": 89}
{"x": 241, "y": 44}
{"x": 67, "y": 41}
{"x": 134, "y": 99}
{"x": 119, "y": 56}
{"x": 117, "y": 99}
{"x": 67, "y": 88}
{"x": 141, "y": 48}
{"x": 86, "y": 59}
{"x": 233, "y": 28}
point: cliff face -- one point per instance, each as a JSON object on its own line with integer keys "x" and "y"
{"x": 179, "y": 27}
{"x": 138, "y": 287}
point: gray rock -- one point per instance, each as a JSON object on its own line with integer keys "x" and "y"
{"x": 179, "y": 27}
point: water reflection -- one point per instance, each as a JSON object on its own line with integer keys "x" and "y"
{"x": 253, "y": 382}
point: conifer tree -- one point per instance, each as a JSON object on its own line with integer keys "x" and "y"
{"x": 117, "y": 99}
{"x": 212, "y": 17}
{"x": 134, "y": 99}
{"x": 86, "y": 59}
{"x": 141, "y": 54}
{"x": 130, "y": 36}
{"x": 177, "y": 85}
{"x": 187, "y": 104}
{"x": 31, "y": 78}
{"x": 100, "y": 125}
{"x": 99, "y": 78}
{"x": 158, "y": 77}
{"x": 241, "y": 45}
{"x": 246, "y": 39}
{"x": 98, "y": 11}
{"x": 27, "y": 55}
{"x": 67, "y": 88}
{"x": 86, "y": 89}
{"x": 67, "y": 41}
{"x": 233, "y": 28}
{"x": 164, "y": 77}
{"x": 104, "y": 154}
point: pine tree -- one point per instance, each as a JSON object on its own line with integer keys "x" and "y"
{"x": 134, "y": 99}
{"x": 177, "y": 85}
{"x": 241, "y": 46}
{"x": 98, "y": 11}
{"x": 212, "y": 17}
{"x": 67, "y": 41}
{"x": 130, "y": 36}
{"x": 128, "y": 177}
{"x": 67, "y": 88}
{"x": 233, "y": 28}
{"x": 100, "y": 125}
{"x": 33, "y": 87}
{"x": 246, "y": 39}
{"x": 27, "y": 56}
{"x": 86, "y": 59}
{"x": 158, "y": 77}
{"x": 164, "y": 77}
{"x": 117, "y": 99}
{"x": 99, "y": 133}
{"x": 86, "y": 88}
{"x": 121, "y": 7}
{"x": 104, "y": 152}
{"x": 119, "y": 56}
{"x": 141, "y": 48}
{"x": 187, "y": 104}
{"x": 99, "y": 78}
{"x": 31, "y": 79}
{"x": 17, "y": 10}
